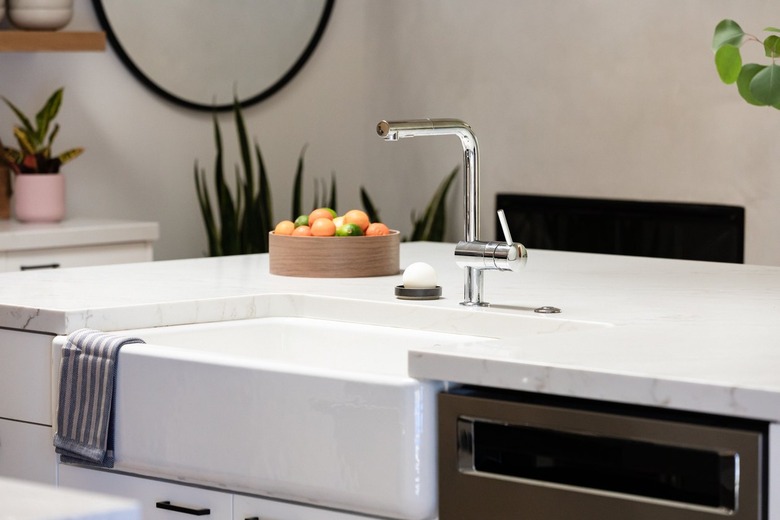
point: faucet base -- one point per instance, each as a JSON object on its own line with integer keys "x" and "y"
{"x": 475, "y": 304}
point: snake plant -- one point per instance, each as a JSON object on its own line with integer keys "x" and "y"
{"x": 432, "y": 224}
{"x": 236, "y": 224}
{"x": 239, "y": 224}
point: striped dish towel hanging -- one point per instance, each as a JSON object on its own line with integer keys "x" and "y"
{"x": 85, "y": 412}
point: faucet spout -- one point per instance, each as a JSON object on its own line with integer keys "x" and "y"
{"x": 395, "y": 130}
{"x": 491, "y": 255}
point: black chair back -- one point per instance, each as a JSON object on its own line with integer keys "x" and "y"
{"x": 624, "y": 227}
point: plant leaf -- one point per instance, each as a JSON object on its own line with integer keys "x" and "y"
{"x": 11, "y": 158}
{"x": 332, "y": 198}
{"x": 316, "y": 202}
{"x": 243, "y": 142}
{"x": 246, "y": 217}
{"x": 727, "y": 32}
{"x": 28, "y": 128}
{"x": 772, "y": 29}
{"x": 298, "y": 186}
{"x": 205, "y": 208}
{"x": 69, "y": 155}
{"x": 368, "y": 205}
{"x": 23, "y": 138}
{"x": 47, "y": 114}
{"x": 772, "y": 46}
{"x": 432, "y": 224}
{"x": 728, "y": 62}
{"x": 743, "y": 82}
{"x": 53, "y": 134}
{"x": 264, "y": 202}
{"x": 765, "y": 85}
{"x": 225, "y": 205}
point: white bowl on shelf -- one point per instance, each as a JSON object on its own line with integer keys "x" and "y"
{"x": 40, "y": 15}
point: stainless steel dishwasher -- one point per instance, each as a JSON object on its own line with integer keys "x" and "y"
{"x": 512, "y": 455}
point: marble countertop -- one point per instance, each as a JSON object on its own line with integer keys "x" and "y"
{"x": 686, "y": 335}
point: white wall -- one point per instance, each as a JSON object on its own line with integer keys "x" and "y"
{"x": 603, "y": 98}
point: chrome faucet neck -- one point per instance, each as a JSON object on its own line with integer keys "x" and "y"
{"x": 395, "y": 130}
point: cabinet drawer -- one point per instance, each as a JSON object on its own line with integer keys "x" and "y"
{"x": 245, "y": 508}
{"x": 191, "y": 501}
{"x": 26, "y": 452}
{"x": 25, "y": 385}
{"x": 78, "y": 256}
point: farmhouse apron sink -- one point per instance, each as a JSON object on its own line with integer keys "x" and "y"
{"x": 315, "y": 411}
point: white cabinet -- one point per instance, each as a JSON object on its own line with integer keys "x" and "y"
{"x": 168, "y": 500}
{"x": 26, "y": 452}
{"x": 26, "y": 449}
{"x": 26, "y": 386}
{"x": 77, "y": 256}
{"x": 159, "y": 500}
{"x": 20, "y": 499}
{"x": 250, "y": 508}
{"x": 75, "y": 243}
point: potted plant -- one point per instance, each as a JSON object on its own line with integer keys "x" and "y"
{"x": 758, "y": 84}
{"x": 39, "y": 188}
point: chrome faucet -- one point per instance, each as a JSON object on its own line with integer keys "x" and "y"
{"x": 473, "y": 255}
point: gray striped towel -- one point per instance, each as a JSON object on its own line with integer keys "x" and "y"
{"x": 85, "y": 412}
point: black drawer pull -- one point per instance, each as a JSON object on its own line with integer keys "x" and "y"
{"x": 252, "y": 518}
{"x": 41, "y": 266}
{"x": 186, "y": 510}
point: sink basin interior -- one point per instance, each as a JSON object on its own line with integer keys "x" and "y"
{"x": 305, "y": 342}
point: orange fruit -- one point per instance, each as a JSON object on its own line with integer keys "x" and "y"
{"x": 302, "y": 231}
{"x": 321, "y": 213}
{"x": 357, "y": 217}
{"x": 323, "y": 227}
{"x": 377, "y": 229}
{"x": 285, "y": 227}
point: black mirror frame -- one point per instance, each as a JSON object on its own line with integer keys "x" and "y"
{"x": 157, "y": 89}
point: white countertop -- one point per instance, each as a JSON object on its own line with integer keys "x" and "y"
{"x": 22, "y": 500}
{"x": 16, "y": 235}
{"x": 679, "y": 334}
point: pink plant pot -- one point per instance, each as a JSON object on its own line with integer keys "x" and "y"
{"x": 39, "y": 197}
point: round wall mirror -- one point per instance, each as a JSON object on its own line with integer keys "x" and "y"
{"x": 200, "y": 53}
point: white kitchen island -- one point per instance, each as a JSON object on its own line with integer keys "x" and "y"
{"x": 690, "y": 336}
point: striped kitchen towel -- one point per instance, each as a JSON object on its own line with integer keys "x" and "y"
{"x": 85, "y": 412}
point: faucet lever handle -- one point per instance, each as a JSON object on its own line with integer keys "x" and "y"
{"x": 505, "y": 227}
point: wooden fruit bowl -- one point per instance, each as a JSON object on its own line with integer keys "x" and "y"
{"x": 334, "y": 257}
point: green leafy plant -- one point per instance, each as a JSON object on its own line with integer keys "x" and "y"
{"x": 432, "y": 224}
{"x": 320, "y": 199}
{"x": 237, "y": 224}
{"x": 34, "y": 154}
{"x": 758, "y": 84}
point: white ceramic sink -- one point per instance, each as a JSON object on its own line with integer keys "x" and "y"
{"x": 294, "y": 408}
{"x": 299, "y": 408}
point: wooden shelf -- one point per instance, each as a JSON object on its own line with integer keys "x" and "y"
{"x": 52, "y": 41}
